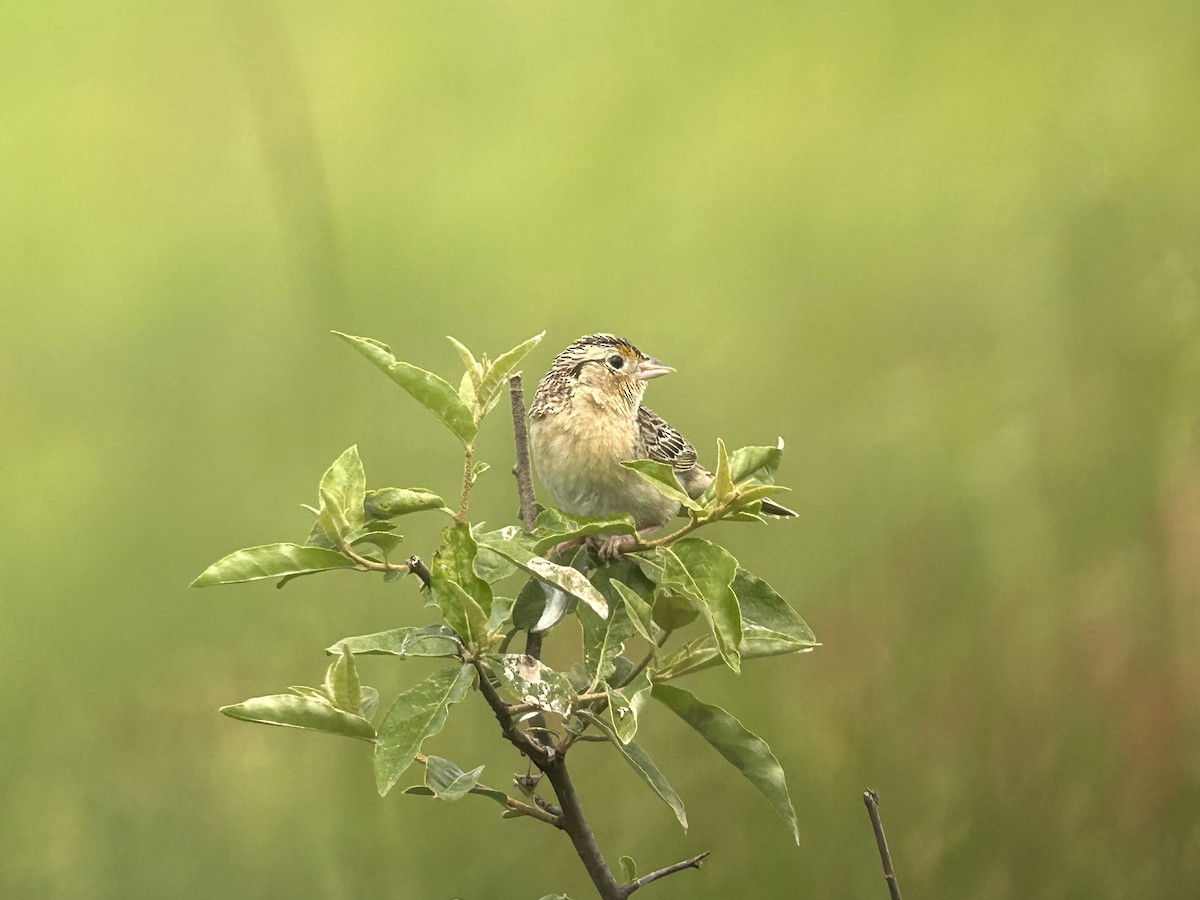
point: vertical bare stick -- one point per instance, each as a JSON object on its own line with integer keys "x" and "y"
{"x": 521, "y": 469}
{"x": 871, "y": 799}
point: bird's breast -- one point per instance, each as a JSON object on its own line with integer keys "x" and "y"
{"x": 578, "y": 458}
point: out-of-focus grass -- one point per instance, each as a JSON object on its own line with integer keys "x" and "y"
{"x": 948, "y": 253}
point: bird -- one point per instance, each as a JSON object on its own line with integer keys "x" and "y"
{"x": 587, "y": 417}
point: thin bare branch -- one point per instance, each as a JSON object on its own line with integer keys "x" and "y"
{"x": 871, "y": 799}
{"x": 521, "y": 437}
{"x": 694, "y": 863}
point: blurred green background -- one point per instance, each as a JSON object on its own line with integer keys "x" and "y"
{"x": 949, "y": 251}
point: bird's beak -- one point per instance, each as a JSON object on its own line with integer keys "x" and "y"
{"x": 652, "y": 368}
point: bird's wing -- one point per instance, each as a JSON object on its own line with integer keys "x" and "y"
{"x": 663, "y": 443}
{"x": 666, "y": 445}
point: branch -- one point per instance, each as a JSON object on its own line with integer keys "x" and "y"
{"x": 521, "y": 437}
{"x": 871, "y": 799}
{"x": 467, "y": 483}
{"x": 694, "y": 863}
{"x": 576, "y": 827}
{"x": 541, "y": 755}
{"x": 412, "y": 565}
{"x": 511, "y": 803}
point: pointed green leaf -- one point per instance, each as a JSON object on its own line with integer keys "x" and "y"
{"x": 447, "y": 780}
{"x": 704, "y": 572}
{"x": 750, "y": 464}
{"x": 431, "y": 391}
{"x": 621, "y": 715}
{"x": 306, "y": 691}
{"x": 387, "y": 503}
{"x": 417, "y": 714}
{"x": 641, "y": 763}
{"x": 662, "y": 478}
{"x": 529, "y": 680}
{"x": 370, "y": 702}
{"x": 384, "y": 540}
{"x": 455, "y": 560}
{"x": 308, "y": 712}
{"x": 474, "y": 371}
{"x": 460, "y": 610}
{"x": 762, "y": 607}
{"x": 343, "y": 490}
{"x": 722, "y": 480}
{"x": 641, "y": 614}
{"x": 271, "y": 561}
{"x": 491, "y": 793}
{"x": 427, "y": 640}
{"x": 604, "y": 639}
{"x": 563, "y": 577}
{"x": 628, "y": 868}
{"x": 746, "y": 750}
{"x": 341, "y": 683}
{"x": 498, "y": 372}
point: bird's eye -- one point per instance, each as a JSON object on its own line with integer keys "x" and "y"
{"x": 616, "y": 361}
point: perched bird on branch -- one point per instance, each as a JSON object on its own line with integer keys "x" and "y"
{"x": 587, "y": 418}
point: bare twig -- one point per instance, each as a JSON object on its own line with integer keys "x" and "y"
{"x": 521, "y": 437}
{"x": 419, "y": 569}
{"x": 411, "y": 565}
{"x": 694, "y": 863}
{"x": 871, "y": 799}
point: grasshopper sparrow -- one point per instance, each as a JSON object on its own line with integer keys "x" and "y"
{"x": 587, "y": 418}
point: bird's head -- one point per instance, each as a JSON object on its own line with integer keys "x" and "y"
{"x": 610, "y": 368}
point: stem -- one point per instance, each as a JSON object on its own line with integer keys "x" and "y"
{"x": 521, "y": 437}
{"x": 576, "y": 827}
{"x": 512, "y": 803}
{"x": 467, "y": 483}
{"x": 694, "y": 863}
{"x": 365, "y": 564}
{"x": 871, "y": 799}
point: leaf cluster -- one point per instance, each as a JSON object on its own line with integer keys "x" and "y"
{"x": 487, "y": 587}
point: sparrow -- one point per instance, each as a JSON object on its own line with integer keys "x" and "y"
{"x": 587, "y": 418}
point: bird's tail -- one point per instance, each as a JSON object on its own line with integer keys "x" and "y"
{"x": 771, "y": 508}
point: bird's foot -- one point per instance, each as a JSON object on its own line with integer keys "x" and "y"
{"x": 561, "y": 548}
{"x": 612, "y": 547}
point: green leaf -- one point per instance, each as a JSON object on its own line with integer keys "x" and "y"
{"x": 455, "y": 560}
{"x": 387, "y": 503}
{"x": 417, "y": 714}
{"x": 431, "y": 391}
{"x": 641, "y": 763}
{"x": 460, "y": 610}
{"x": 491, "y": 793}
{"x": 385, "y": 541}
{"x": 552, "y": 527}
{"x": 565, "y": 578}
{"x": 704, "y": 572}
{"x": 474, "y": 371}
{"x": 447, "y": 780}
{"x": 722, "y": 481}
{"x": 765, "y": 609}
{"x": 770, "y": 627}
{"x": 749, "y": 464}
{"x": 341, "y": 683}
{"x": 498, "y": 372}
{"x": 427, "y": 640}
{"x": 748, "y": 752}
{"x": 271, "y": 561}
{"x": 529, "y": 680}
{"x": 604, "y": 639}
{"x": 555, "y": 897}
{"x": 370, "y": 702}
{"x": 343, "y": 491}
{"x": 673, "y": 611}
{"x": 662, "y": 478}
{"x": 622, "y": 716}
{"x": 308, "y": 712}
{"x": 306, "y": 691}
{"x": 501, "y": 613}
{"x": 641, "y": 614}
{"x": 628, "y": 868}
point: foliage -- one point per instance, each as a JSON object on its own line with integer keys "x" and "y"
{"x": 626, "y": 611}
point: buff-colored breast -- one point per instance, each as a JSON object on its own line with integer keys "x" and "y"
{"x": 578, "y": 457}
